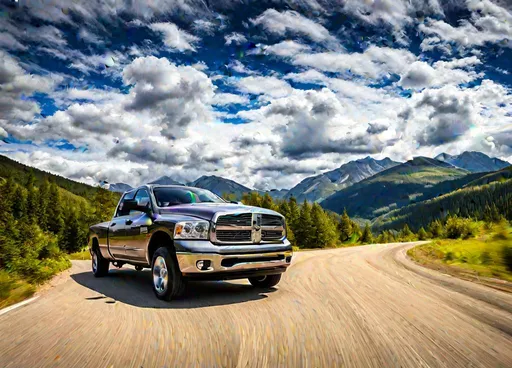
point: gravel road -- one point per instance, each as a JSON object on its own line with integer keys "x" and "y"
{"x": 353, "y": 307}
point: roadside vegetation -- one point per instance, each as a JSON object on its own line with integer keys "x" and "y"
{"x": 40, "y": 224}
{"x": 484, "y": 255}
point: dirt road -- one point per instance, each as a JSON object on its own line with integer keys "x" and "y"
{"x": 362, "y": 306}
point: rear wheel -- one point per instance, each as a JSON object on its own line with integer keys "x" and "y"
{"x": 265, "y": 281}
{"x": 168, "y": 282}
{"x": 99, "y": 264}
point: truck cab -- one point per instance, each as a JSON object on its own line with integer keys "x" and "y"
{"x": 185, "y": 233}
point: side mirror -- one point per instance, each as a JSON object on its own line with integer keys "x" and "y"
{"x": 133, "y": 205}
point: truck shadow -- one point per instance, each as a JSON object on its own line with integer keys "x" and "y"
{"x": 135, "y": 288}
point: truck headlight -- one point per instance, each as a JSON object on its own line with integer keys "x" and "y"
{"x": 191, "y": 230}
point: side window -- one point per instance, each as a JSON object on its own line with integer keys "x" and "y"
{"x": 142, "y": 198}
{"x": 127, "y": 197}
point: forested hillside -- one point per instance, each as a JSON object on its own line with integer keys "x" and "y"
{"x": 393, "y": 188}
{"x": 487, "y": 202}
{"x": 40, "y": 222}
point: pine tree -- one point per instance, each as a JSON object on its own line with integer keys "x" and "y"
{"x": 294, "y": 214}
{"x": 324, "y": 232}
{"x": 405, "y": 234}
{"x": 55, "y": 220}
{"x": 436, "y": 229}
{"x": 367, "y": 236}
{"x": 422, "y": 234}
{"x": 304, "y": 231}
{"x": 267, "y": 202}
{"x": 43, "y": 200}
{"x": 345, "y": 227}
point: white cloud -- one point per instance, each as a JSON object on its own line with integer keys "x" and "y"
{"x": 489, "y": 23}
{"x": 259, "y": 85}
{"x": 222, "y": 99}
{"x": 286, "y": 48}
{"x": 17, "y": 87}
{"x": 293, "y": 23}
{"x": 234, "y": 38}
{"x": 90, "y": 37}
{"x": 9, "y": 42}
{"x": 420, "y": 74}
{"x": 374, "y": 62}
{"x": 175, "y": 38}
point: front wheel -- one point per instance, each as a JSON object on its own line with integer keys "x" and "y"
{"x": 99, "y": 264}
{"x": 265, "y": 281}
{"x": 168, "y": 282}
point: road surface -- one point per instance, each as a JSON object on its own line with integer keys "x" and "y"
{"x": 362, "y": 306}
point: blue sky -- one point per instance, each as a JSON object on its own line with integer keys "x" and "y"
{"x": 262, "y": 92}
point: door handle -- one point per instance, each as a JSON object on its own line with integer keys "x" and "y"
{"x": 129, "y": 222}
{"x": 113, "y": 224}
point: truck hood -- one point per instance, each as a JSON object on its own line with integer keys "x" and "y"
{"x": 206, "y": 211}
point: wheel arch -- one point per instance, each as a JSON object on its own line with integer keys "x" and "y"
{"x": 158, "y": 239}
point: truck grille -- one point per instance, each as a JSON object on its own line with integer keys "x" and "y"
{"x": 233, "y": 235}
{"x": 243, "y": 219}
{"x": 271, "y": 220}
{"x": 271, "y": 234}
{"x": 247, "y": 228}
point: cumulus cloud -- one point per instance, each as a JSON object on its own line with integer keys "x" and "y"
{"x": 234, "y": 38}
{"x": 421, "y": 74}
{"x": 174, "y": 37}
{"x": 17, "y": 86}
{"x": 489, "y": 23}
{"x": 178, "y": 94}
{"x": 374, "y": 62}
{"x": 293, "y": 23}
{"x": 260, "y": 85}
{"x": 286, "y": 48}
{"x": 311, "y": 123}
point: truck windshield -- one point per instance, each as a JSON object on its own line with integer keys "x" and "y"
{"x": 166, "y": 197}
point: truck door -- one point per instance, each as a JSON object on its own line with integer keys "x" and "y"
{"x": 117, "y": 229}
{"x": 137, "y": 228}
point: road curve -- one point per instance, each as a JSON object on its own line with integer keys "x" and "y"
{"x": 361, "y": 306}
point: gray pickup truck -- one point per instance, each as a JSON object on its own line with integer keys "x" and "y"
{"x": 184, "y": 233}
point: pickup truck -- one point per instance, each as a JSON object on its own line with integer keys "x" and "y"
{"x": 187, "y": 233}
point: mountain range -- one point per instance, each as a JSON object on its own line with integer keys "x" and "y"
{"x": 474, "y": 161}
{"x": 421, "y": 177}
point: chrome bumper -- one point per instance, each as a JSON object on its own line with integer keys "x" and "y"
{"x": 232, "y": 262}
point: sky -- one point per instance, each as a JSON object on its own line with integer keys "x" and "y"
{"x": 265, "y": 93}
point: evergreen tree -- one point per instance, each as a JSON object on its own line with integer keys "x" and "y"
{"x": 304, "y": 231}
{"x": 74, "y": 236}
{"x": 43, "y": 200}
{"x": 367, "y": 236}
{"x": 422, "y": 234}
{"x": 345, "y": 227}
{"x": 324, "y": 231}
{"x": 55, "y": 220}
{"x": 436, "y": 229}
{"x": 267, "y": 202}
{"x": 294, "y": 214}
{"x": 405, "y": 234}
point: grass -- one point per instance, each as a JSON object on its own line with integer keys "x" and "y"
{"x": 81, "y": 256}
{"x": 13, "y": 290}
{"x": 482, "y": 257}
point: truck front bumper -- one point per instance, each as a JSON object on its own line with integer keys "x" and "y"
{"x": 205, "y": 260}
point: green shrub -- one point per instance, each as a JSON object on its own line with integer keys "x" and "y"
{"x": 457, "y": 227}
{"x": 506, "y": 254}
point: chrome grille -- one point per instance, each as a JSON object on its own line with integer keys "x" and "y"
{"x": 247, "y": 228}
{"x": 271, "y": 234}
{"x": 233, "y": 235}
{"x": 271, "y": 220}
{"x": 243, "y": 219}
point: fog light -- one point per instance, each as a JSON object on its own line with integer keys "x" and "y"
{"x": 288, "y": 259}
{"x": 203, "y": 265}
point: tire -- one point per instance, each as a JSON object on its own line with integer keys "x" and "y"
{"x": 265, "y": 281}
{"x": 174, "y": 283}
{"x": 99, "y": 264}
